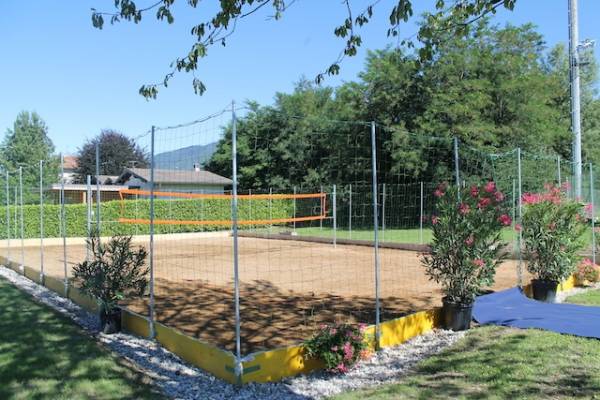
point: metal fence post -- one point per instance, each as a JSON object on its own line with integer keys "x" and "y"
{"x": 234, "y": 210}
{"x": 456, "y": 166}
{"x": 98, "y": 228}
{"x": 558, "y": 175}
{"x": 376, "y": 234}
{"x": 421, "y": 215}
{"x": 270, "y": 210}
{"x": 151, "y": 244}
{"x": 22, "y": 266}
{"x": 41, "y": 221}
{"x": 520, "y": 208}
{"x": 383, "y": 212}
{"x": 322, "y": 211}
{"x": 294, "y": 209}
{"x": 350, "y": 211}
{"x": 89, "y": 213}
{"x": 334, "y": 216}
{"x": 63, "y": 224}
{"x": 593, "y": 213}
{"x": 8, "y": 232}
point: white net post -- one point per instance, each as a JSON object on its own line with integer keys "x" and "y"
{"x": 8, "y": 232}
{"x": 520, "y": 208}
{"x": 234, "y": 222}
{"x": 16, "y": 212}
{"x": 593, "y": 213}
{"x": 151, "y": 244}
{"x": 376, "y": 234}
{"x": 334, "y": 216}
{"x": 456, "y": 166}
{"x": 270, "y": 210}
{"x": 21, "y": 221}
{"x": 63, "y": 225}
{"x": 421, "y": 216}
{"x": 42, "y": 221}
{"x": 350, "y": 211}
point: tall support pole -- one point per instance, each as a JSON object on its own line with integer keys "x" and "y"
{"x": 350, "y": 211}
{"x": 295, "y": 209}
{"x": 8, "y": 232}
{"x": 558, "y": 174}
{"x": 234, "y": 219}
{"x": 41, "y": 221}
{"x": 593, "y": 213}
{"x": 456, "y": 166}
{"x": 63, "y": 225}
{"x": 375, "y": 232}
{"x": 151, "y": 285}
{"x": 334, "y": 216}
{"x": 514, "y": 201}
{"x": 21, "y": 221}
{"x": 250, "y": 206}
{"x": 520, "y": 208}
{"x": 421, "y": 215}
{"x": 98, "y": 228}
{"x": 383, "y": 194}
{"x": 89, "y": 214}
{"x": 575, "y": 94}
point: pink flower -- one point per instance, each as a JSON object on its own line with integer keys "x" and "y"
{"x": 348, "y": 351}
{"x": 464, "y": 208}
{"x": 333, "y": 331}
{"x": 505, "y": 220}
{"x": 586, "y": 262}
{"x": 474, "y": 191}
{"x": 518, "y": 227}
{"x": 438, "y": 193}
{"x": 565, "y": 186}
{"x": 341, "y": 368}
{"x": 469, "y": 241}
{"x": 362, "y": 327}
{"x": 531, "y": 198}
{"x": 434, "y": 220}
{"x": 490, "y": 187}
{"x": 499, "y": 196}
{"x": 483, "y": 203}
{"x": 478, "y": 262}
{"x": 334, "y": 348}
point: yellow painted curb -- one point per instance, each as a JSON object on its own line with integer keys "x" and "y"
{"x": 219, "y": 363}
{"x": 82, "y": 300}
{"x": 32, "y": 274}
{"x": 55, "y": 285}
{"x": 135, "y": 323}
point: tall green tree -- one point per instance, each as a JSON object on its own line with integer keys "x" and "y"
{"x": 117, "y": 151}
{"x": 24, "y": 146}
{"x": 448, "y": 19}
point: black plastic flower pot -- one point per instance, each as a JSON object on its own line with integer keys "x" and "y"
{"x": 456, "y": 316}
{"x": 110, "y": 322}
{"x": 544, "y": 290}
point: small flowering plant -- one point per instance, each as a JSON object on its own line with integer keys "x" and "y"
{"x": 552, "y": 231}
{"x": 466, "y": 247}
{"x": 586, "y": 272}
{"x": 340, "y": 346}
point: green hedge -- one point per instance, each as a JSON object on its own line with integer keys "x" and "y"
{"x": 176, "y": 209}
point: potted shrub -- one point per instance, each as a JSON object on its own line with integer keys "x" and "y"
{"x": 552, "y": 230}
{"x": 466, "y": 247}
{"x": 339, "y": 346}
{"x": 114, "y": 272}
{"x": 586, "y": 273}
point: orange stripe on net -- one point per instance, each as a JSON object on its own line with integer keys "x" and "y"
{"x": 221, "y": 196}
{"x": 220, "y": 221}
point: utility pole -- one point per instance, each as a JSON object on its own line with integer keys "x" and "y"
{"x": 575, "y": 94}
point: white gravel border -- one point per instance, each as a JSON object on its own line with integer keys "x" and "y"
{"x": 178, "y": 380}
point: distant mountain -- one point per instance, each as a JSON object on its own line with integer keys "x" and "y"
{"x": 185, "y": 158}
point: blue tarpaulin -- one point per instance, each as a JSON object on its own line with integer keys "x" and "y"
{"x": 512, "y": 308}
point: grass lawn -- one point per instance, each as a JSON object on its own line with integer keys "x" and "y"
{"x": 501, "y": 363}
{"x": 589, "y": 298}
{"x": 390, "y": 235}
{"x": 43, "y": 355}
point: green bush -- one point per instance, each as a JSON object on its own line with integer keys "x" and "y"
{"x": 111, "y": 211}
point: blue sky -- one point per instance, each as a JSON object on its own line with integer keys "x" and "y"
{"x": 81, "y": 80}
